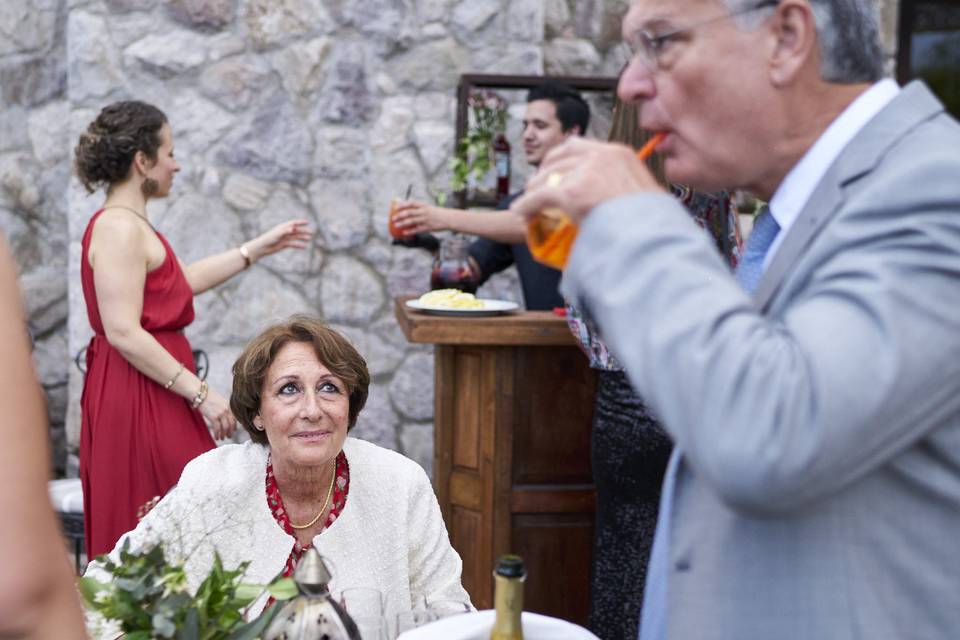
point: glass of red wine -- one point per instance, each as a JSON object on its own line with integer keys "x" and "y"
{"x": 452, "y": 268}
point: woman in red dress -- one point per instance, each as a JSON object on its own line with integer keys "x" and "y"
{"x": 143, "y": 407}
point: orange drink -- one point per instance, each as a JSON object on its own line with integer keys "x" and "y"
{"x": 395, "y": 231}
{"x": 550, "y": 236}
{"x": 550, "y": 233}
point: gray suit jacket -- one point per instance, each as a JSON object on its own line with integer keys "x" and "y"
{"x": 819, "y": 492}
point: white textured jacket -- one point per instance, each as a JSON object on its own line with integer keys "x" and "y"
{"x": 389, "y": 536}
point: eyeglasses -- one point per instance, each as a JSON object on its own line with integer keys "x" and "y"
{"x": 649, "y": 48}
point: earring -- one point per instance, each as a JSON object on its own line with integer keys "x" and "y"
{"x": 149, "y": 187}
{"x": 257, "y": 424}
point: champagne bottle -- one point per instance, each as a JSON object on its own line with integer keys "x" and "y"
{"x": 508, "y": 598}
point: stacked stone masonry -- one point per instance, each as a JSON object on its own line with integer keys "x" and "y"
{"x": 280, "y": 108}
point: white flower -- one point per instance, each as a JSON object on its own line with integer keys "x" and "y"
{"x": 100, "y": 627}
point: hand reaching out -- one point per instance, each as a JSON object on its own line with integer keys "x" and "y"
{"x": 292, "y": 234}
{"x": 418, "y": 217}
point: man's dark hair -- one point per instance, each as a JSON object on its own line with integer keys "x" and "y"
{"x": 572, "y": 110}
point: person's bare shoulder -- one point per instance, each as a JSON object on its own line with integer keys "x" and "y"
{"x": 118, "y": 232}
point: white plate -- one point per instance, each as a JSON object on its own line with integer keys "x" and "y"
{"x": 476, "y": 626}
{"x": 490, "y": 308}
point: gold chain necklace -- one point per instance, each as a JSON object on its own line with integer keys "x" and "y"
{"x": 325, "y": 502}
{"x": 131, "y": 210}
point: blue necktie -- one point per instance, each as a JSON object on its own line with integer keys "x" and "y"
{"x": 653, "y": 621}
{"x": 765, "y": 230}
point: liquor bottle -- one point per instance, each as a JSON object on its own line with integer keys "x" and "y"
{"x": 508, "y": 598}
{"x": 501, "y": 159}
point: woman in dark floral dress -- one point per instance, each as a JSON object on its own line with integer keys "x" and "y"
{"x": 629, "y": 448}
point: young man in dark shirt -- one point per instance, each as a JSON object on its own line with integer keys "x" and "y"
{"x": 554, "y": 113}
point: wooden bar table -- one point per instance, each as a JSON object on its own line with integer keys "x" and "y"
{"x": 511, "y": 466}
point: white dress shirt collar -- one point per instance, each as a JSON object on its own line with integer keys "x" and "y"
{"x": 797, "y": 187}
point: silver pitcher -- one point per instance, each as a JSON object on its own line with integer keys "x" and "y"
{"x": 313, "y": 614}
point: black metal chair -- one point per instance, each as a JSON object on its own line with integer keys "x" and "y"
{"x": 67, "y": 498}
{"x": 200, "y": 359}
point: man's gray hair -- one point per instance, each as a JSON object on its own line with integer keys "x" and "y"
{"x": 849, "y": 35}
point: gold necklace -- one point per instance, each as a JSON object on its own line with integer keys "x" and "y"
{"x": 133, "y": 211}
{"x": 325, "y": 502}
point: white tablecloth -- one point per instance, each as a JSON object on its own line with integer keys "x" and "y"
{"x": 476, "y": 626}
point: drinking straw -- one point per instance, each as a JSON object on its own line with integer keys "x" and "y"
{"x": 647, "y": 149}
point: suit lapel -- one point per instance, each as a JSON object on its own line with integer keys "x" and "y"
{"x": 912, "y": 106}
{"x": 824, "y": 202}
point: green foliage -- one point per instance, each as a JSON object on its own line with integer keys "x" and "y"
{"x": 149, "y": 599}
{"x": 474, "y": 153}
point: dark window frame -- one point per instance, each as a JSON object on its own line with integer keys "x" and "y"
{"x": 908, "y": 16}
{"x": 905, "y": 40}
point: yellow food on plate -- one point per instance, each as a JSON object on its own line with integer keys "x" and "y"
{"x": 450, "y": 299}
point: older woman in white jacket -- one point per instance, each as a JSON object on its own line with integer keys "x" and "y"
{"x": 298, "y": 388}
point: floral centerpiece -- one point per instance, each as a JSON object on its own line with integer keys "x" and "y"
{"x": 473, "y": 161}
{"x": 148, "y": 598}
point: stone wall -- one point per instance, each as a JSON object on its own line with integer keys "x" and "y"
{"x": 280, "y": 108}
{"x": 34, "y": 171}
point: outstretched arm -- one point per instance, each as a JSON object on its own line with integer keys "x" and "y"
{"x": 213, "y": 270}
{"x": 500, "y": 226}
{"x": 37, "y": 597}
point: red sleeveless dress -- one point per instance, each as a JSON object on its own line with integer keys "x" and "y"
{"x": 135, "y": 436}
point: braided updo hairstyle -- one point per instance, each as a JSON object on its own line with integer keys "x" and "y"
{"x": 106, "y": 149}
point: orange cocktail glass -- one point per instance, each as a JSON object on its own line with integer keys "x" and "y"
{"x": 550, "y": 233}
{"x": 395, "y": 231}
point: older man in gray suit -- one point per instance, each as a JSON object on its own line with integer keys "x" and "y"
{"x": 815, "y": 492}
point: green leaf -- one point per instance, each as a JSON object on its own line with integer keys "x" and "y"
{"x": 282, "y": 589}
{"x": 177, "y": 602}
{"x": 89, "y": 588}
{"x": 129, "y": 611}
{"x": 229, "y": 619}
{"x": 191, "y": 626}
{"x": 125, "y": 584}
{"x": 163, "y": 625}
{"x": 247, "y": 593}
{"x": 252, "y": 630}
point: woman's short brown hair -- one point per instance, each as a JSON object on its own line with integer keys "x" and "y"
{"x": 332, "y": 349}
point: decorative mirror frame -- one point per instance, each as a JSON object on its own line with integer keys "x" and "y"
{"x": 470, "y": 81}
